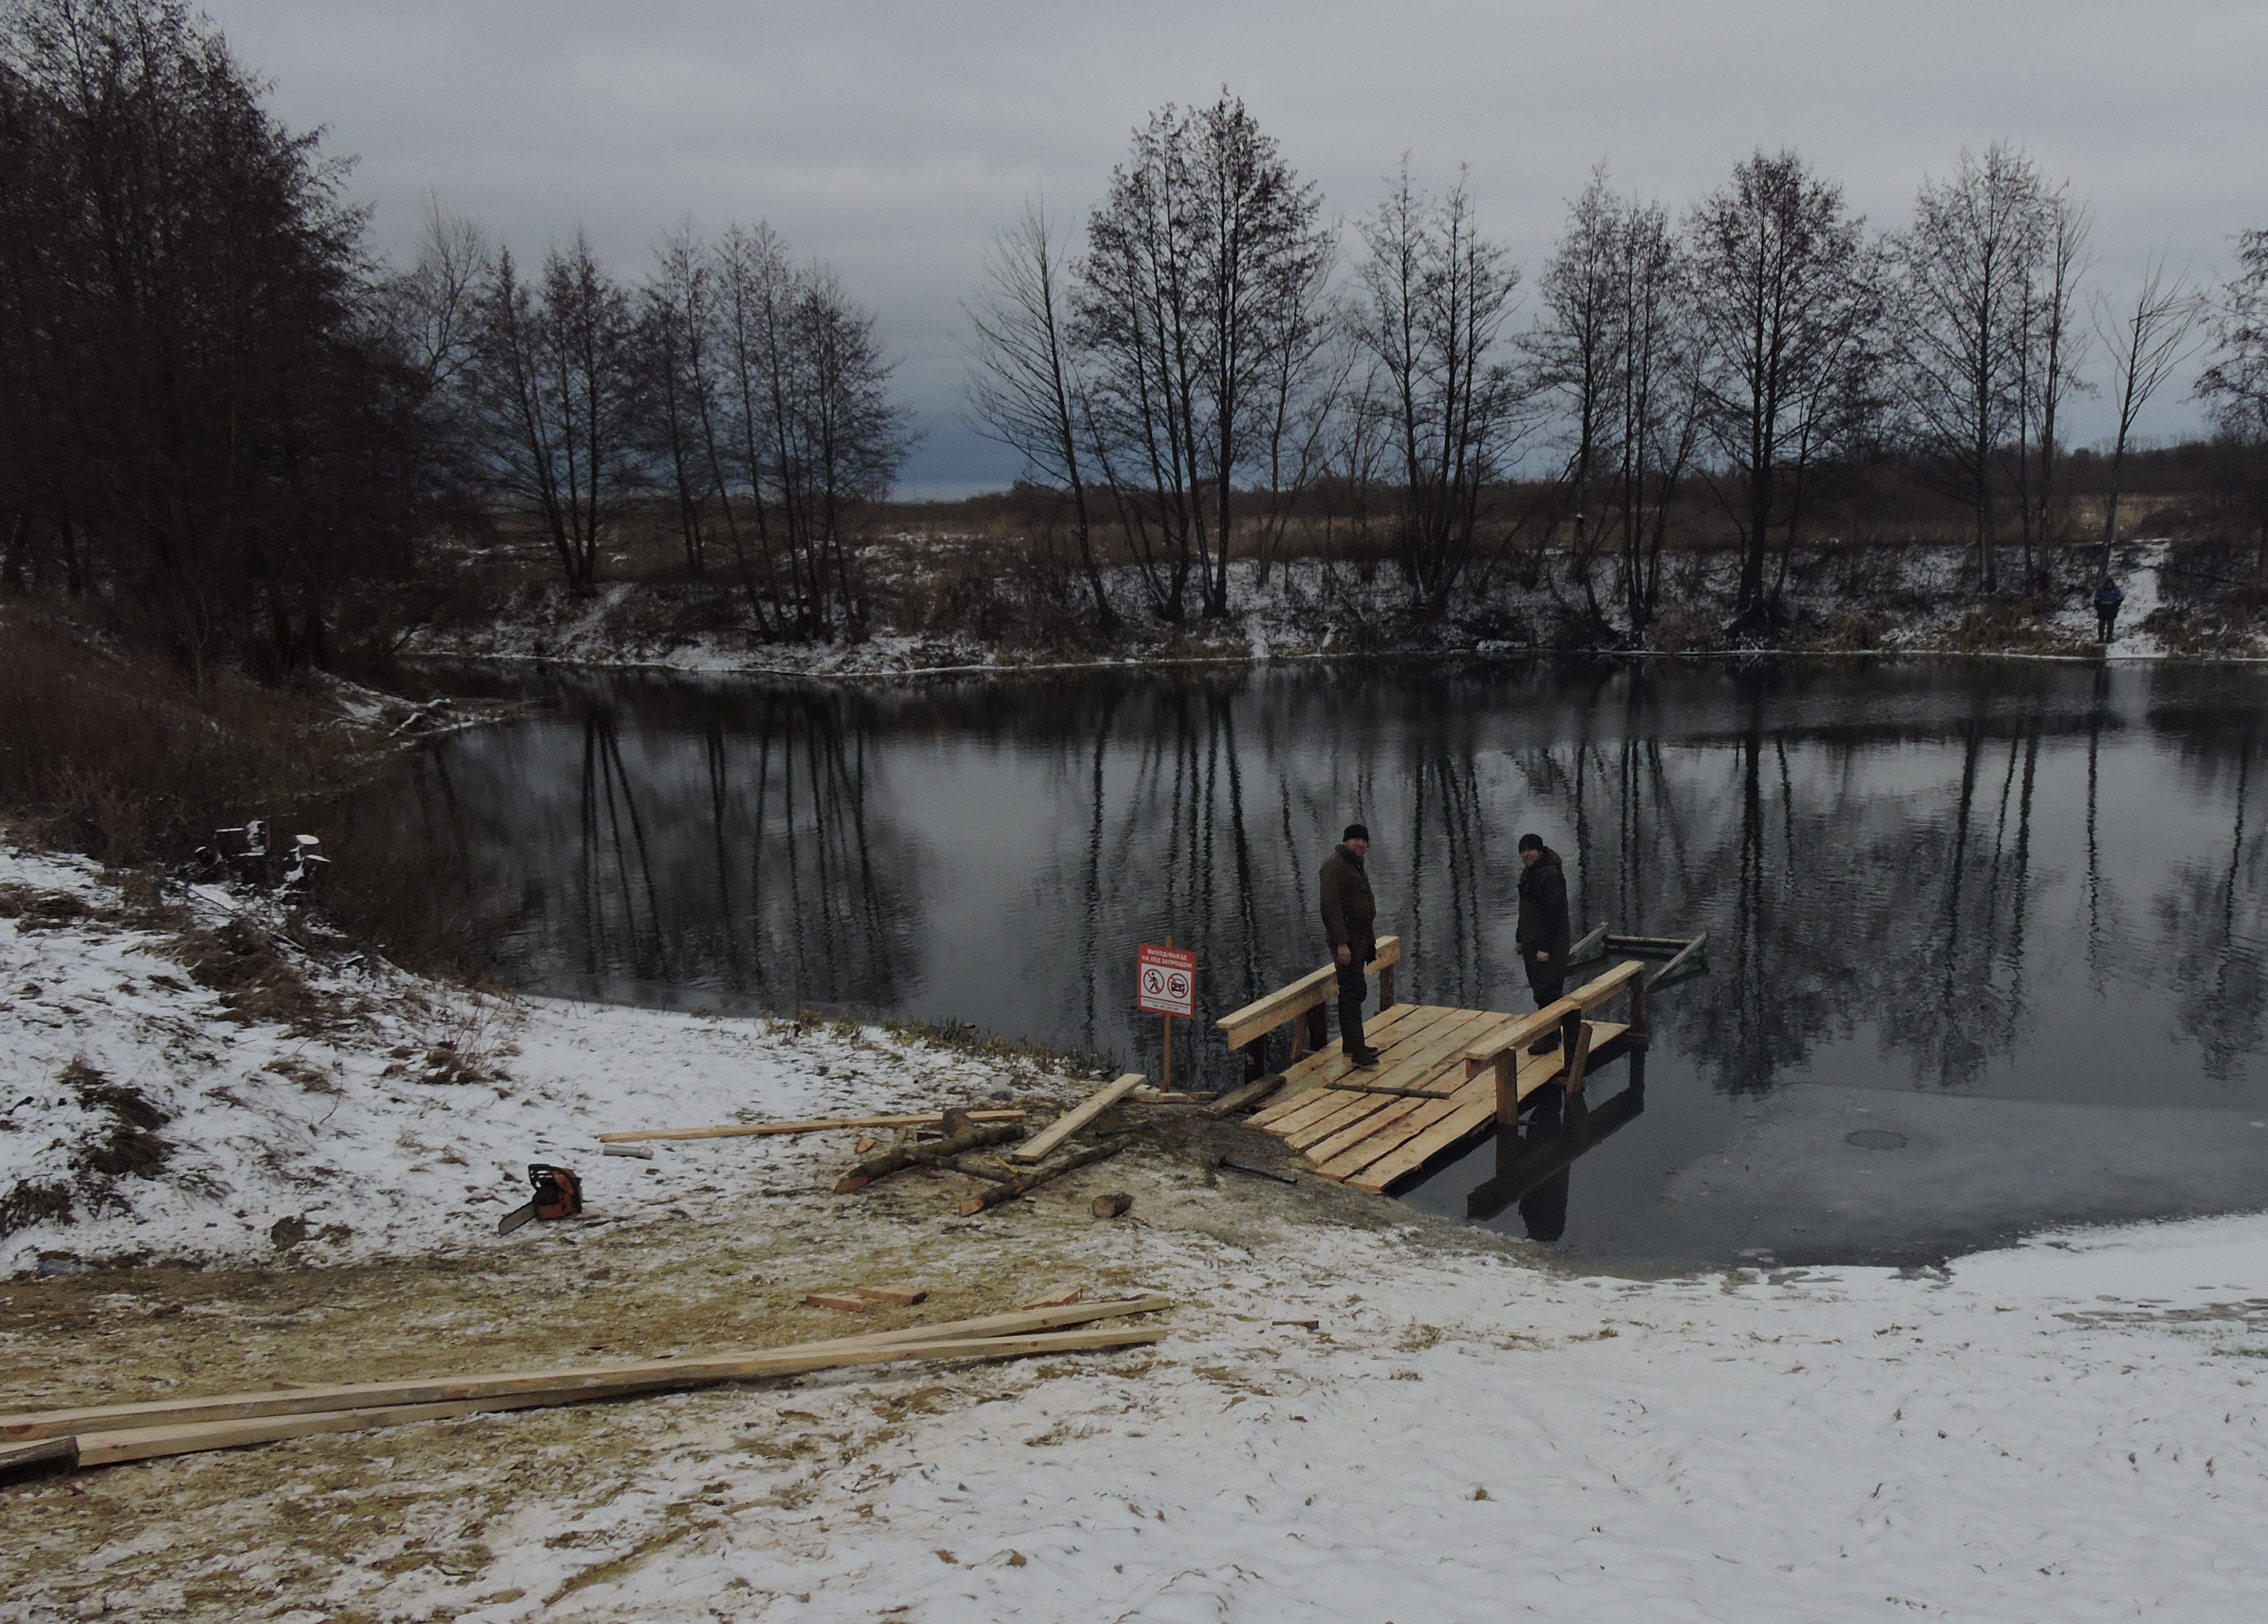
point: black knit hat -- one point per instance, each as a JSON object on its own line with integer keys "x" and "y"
{"x": 1355, "y": 831}
{"x": 1531, "y": 843}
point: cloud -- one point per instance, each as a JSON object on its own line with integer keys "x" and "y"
{"x": 892, "y": 139}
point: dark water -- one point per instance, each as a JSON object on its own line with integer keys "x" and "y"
{"x": 1987, "y": 953}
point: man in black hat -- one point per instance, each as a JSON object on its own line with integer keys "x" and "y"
{"x": 1349, "y": 920}
{"x": 1543, "y": 937}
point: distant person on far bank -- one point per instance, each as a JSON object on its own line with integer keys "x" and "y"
{"x": 1350, "y": 926}
{"x": 1543, "y": 936}
{"x": 2107, "y": 599}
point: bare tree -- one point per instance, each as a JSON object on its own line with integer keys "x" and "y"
{"x": 1657, "y": 397}
{"x": 1783, "y": 293}
{"x": 1204, "y": 264}
{"x": 1961, "y": 325}
{"x": 1576, "y": 346}
{"x": 1024, "y": 385}
{"x": 556, "y": 395}
{"x": 2147, "y": 343}
{"x": 673, "y": 322}
{"x": 2058, "y": 351}
{"x": 2236, "y": 385}
{"x": 1435, "y": 298}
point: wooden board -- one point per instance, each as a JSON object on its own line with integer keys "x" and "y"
{"x": 1527, "y": 1029}
{"x": 110, "y": 1448}
{"x": 294, "y": 1401}
{"x": 1077, "y": 1117}
{"x": 1407, "y": 1066}
{"x": 1439, "y": 1127}
{"x": 750, "y": 1130}
{"x": 1251, "y": 1094}
{"x": 1302, "y": 1081}
{"x": 1264, "y": 1014}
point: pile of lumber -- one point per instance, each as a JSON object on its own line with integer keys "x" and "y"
{"x": 1020, "y": 1172}
{"x": 107, "y": 1433}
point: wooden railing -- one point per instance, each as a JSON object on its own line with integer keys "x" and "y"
{"x": 1301, "y": 1006}
{"x": 1500, "y": 1050}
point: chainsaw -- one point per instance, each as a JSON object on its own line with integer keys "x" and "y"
{"x": 559, "y": 1194}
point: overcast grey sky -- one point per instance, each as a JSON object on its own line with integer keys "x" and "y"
{"x": 892, "y": 139}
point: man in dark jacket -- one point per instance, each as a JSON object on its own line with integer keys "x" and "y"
{"x": 1350, "y": 926}
{"x": 1543, "y": 937}
{"x": 2108, "y": 597}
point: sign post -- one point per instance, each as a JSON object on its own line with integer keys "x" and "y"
{"x": 1165, "y": 983}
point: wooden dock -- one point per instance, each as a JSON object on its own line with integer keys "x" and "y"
{"x": 1445, "y": 1076}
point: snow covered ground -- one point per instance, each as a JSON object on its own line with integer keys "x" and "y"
{"x": 2069, "y": 1429}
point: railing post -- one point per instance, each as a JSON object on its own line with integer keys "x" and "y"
{"x": 1507, "y": 1089}
{"x": 1319, "y": 1030}
{"x": 1640, "y": 1033}
{"x": 1299, "y": 1038}
{"x": 1384, "y": 987}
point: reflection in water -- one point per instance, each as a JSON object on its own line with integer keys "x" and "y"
{"x": 1535, "y": 1164}
{"x": 2041, "y": 882}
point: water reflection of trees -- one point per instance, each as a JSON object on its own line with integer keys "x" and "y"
{"x": 1871, "y": 850}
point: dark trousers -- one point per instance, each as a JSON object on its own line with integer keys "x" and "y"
{"x": 2104, "y": 620}
{"x": 1547, "y": 981}
{"x": 1353, "y": 986}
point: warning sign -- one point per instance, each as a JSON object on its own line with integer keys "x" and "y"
{"x": 1166, "y": 981}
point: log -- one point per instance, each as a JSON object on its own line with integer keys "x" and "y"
{"x": 626, "y": 1375}
{"x": 1077, "y": 1117}
{"x": 884, "y": 1163}
{"x": 150, "y": 1443}
{"x": 976, "y": 1169}
{"x": 1242, "y": 1098}
{"x": 1117, "y": 1204}
{"x": 746, "y": 1130}
{"x": 1037, "y": 1176}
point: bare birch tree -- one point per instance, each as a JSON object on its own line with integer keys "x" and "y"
{"x": 1783, "y": 284}
{"x": 1961, "y": 326}
{"x": 1435, "y": 298}
{"x": 1024, "y": 385}
{"x": 1576, "y": 346}
{"x": 2148, "y": 342}
{"x": 2234, "y": 387}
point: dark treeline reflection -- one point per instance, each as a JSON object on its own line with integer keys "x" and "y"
{"x": 2039, "y": 881}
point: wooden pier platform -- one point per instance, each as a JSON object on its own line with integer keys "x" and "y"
{"x": 1352, "y": 1128}
{"x": 1445, "y": 1076}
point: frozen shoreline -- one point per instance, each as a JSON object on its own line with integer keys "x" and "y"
{"x": 2071, "y": 1428}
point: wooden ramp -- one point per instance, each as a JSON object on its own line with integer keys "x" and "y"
{"x": 1353, "y": 1127}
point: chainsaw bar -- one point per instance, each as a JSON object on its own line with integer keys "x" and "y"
{"x": 518, "y": 1215}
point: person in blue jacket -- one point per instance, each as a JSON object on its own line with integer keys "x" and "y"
{"x": 2107, "y": 599}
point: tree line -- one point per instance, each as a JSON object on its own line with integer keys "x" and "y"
{"x": 1203, "y": 354}
{"x": 221, "y": 413}
{"x": 219, "y": 408}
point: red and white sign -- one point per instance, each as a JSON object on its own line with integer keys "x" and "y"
{"x": 1166, "y": 981}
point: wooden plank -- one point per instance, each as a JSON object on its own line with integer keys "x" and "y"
{"x": 1251, "y": 1094}
{"x": 1415, "y": 1069}
{"x": 1685, "y": 953}
{"x": 1385, "y": 1130}
{"x": 1301, "y": 1080}
{"x": 109, "y": 1448}
{"x": 1420, "y": 1120}
{"x": 1476, "y": 1100}
{"x": 1646, "y": 944}
{"x": 910, "y": 1296}
{"x": 749, "y": 1130}
{"x": 1592, "y": 939}
{"x": 1077, "y": 1117}
{"x": 1527, "y": 1029}
{"x": 1264, "y": 1014}
{"x": 341, "y": 1395}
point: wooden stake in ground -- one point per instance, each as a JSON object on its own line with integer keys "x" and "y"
{"x": 884, "y": 1163}
{"x": 1078, "y": 1116}
{"x": 1032, "y": 1180}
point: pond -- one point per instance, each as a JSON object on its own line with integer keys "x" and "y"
{"x": 1987, "y": 951}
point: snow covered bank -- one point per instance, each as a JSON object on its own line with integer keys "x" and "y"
{"x": 268, "y": 1097}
